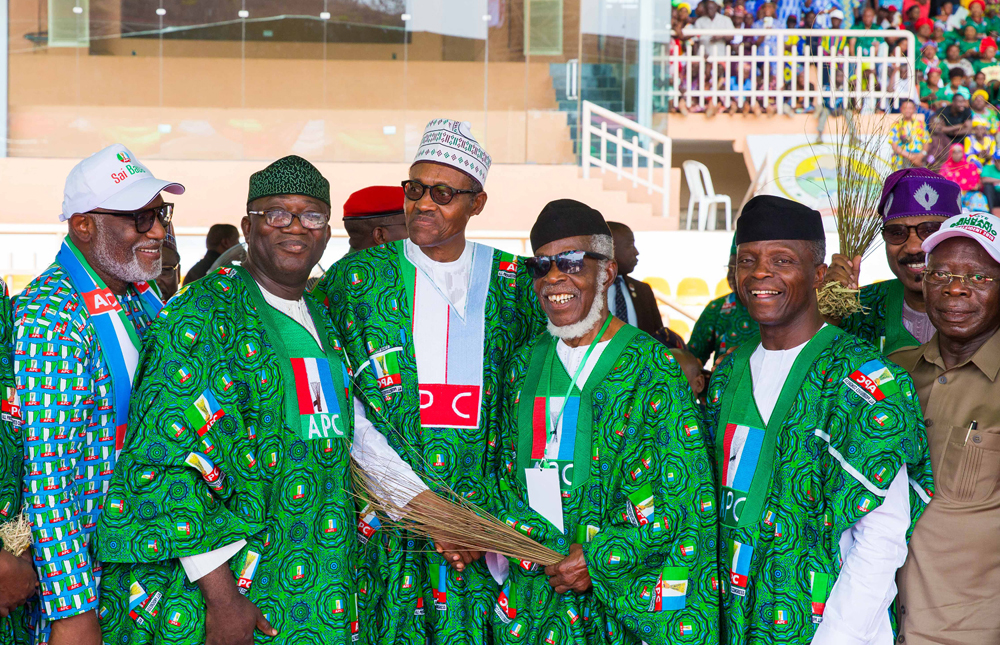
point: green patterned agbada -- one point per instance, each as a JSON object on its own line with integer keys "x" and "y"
{"x": 881, "y": 321}
{"x": 13, "y": 628}
{"x": 370, "y": 295}
{"x": 844, "y": 424}
{"x": 637, "y": 493}
{"x": 240, "y": 428}
{"x": 723, "y": 325}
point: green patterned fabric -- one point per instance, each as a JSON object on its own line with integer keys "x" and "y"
{"x": 366, "y": 293}
{"x": 881, "y": 322}
{"x": 642, "y": 505}
{"x": 845, "y": 423}
{"x": 723, "y": 325}
{"x": 214, "y": 455}
{"x": 291, "y": 175}
{"x": 13, "y": 628}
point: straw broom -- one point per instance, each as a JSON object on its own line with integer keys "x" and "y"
{"x": 16, "y": 534}
{"x": 443, "y": 515}
{"x": 861, "y": 171}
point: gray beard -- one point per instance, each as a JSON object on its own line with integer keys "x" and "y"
{"x": 582, "y": 327}
{"x": 104, "y": 250}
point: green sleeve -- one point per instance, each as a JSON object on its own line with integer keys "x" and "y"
{"x": 663, "y": 456}
{"x": 183, "y": 486}
{"x": 705, "y": 332}
{"x": 11, "y": 450}
{"x": 868, "y": 440}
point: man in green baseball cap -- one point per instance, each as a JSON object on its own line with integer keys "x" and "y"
{"x": 230, "y": 512}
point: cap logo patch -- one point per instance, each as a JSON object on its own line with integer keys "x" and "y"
{"x": 124, "y": 158}
{"x": 926, "y": 196}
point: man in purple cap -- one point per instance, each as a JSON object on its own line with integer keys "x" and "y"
{"x": 78, "y": 335}
{"x": 950, "y": 585}
{"x": 914, "y": 203}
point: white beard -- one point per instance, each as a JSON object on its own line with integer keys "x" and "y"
{"x": 582, "y": 327}
{"x": 103, "y": 249}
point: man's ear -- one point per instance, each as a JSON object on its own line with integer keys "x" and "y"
{"x": 612, "y": 272}
{"x": 245, "y": 225}
{"x": 479, "y": 203}
{"x": 379, "y": 235}
{"x": 820, "y": 278}
{"x": 82, "y": 227}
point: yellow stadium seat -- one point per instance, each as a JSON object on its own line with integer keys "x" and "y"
{"x": 693, "y": 292}
{"x": 680, "y": 328}
{"x": 659, "y": 284}
{"x": 722, "y": 289}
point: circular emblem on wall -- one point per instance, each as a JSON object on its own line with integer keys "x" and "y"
{"x": 807, "y": 173}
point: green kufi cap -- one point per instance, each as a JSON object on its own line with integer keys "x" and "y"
{"x": 291, "y": 175}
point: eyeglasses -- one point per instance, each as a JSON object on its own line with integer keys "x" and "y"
{"x": 280, "y": 218}
{"x": 899, "y": 233}
{"x": 165, "y": 269}
{"x": 568, "y": 262}
{"x": 974, "y": 280}
{"x": 144, "y": 218}
{"x": 441, "y": 194}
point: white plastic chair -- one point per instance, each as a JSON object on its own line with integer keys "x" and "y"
{"x": 699, "y": 183}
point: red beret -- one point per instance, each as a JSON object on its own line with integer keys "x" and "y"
{"x": 982, "y": 5}
{"x": 374, "y": 201}
{"x": 987, "y": 42}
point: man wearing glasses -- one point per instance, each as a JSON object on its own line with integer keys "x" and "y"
{"x": 428, "y": 323}
{"x": 78, "y": 336}
{"x": 950, "y": 584}
{"x": 914, "y": 203}
{"x": 598, "y": 418}
{"x": 230, "y": 513}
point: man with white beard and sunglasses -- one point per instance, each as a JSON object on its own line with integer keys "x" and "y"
{"x": 78, "y": 336}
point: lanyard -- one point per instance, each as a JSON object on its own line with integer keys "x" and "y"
{"x": 551, "y": 425}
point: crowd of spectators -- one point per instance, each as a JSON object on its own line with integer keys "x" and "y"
{"x": 948, "y": 116}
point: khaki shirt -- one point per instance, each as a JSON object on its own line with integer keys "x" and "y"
{"x": 949, "y": 588}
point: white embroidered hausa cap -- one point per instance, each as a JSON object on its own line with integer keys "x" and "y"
{"x": 451, "y": 143}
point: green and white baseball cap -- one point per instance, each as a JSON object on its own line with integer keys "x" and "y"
{"x": 981, "y": 227}
{"x": 112, "y": 179}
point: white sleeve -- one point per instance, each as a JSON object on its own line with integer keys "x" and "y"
{"x": 199, "y": 566}
{"x": 857, "y": 612}
{"x": 374, "y": 454}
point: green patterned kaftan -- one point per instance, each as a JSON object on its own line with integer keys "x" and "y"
{"x": 368, "y": 294}
{"x": 724, "y": 325}
{"x": 844, "y": 424}
{"x": 240, "y": 428}
{"x": 638, "y": 493}
{"x": 14, "y": 628}
{"x": 881, "y": 323}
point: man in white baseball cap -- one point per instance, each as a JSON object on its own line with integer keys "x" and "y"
{"x": 79, "y": 328}
{"x": 952, "y": 573}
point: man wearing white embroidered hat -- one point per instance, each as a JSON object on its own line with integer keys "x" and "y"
{"x": 428, "y": 323}
{"x": 950, "y": 584}
{"x": 78, "y": 334}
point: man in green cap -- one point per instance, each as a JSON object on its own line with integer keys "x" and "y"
{"x": 230, "y": 512}
{"x": 724, "y": 324}
{"x": 428, "y": 323}
{"x": 602, "y": 460}
{"x": 820, "y": 450}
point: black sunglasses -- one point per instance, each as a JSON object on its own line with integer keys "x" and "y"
{"x": 441, "y": 194}
{"x": 899, "y": 233}
{"x": 568, "y": 262}
{"x": 144, "y": 218}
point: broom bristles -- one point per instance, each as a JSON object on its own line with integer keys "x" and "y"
{"x": 16, "y": 534}
{"x": 444, "y": 516}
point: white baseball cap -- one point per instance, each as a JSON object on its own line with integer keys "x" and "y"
{"x": 837, "y": 13}
{"x": 114, "y": 180}
{"x": 981, "y": 227}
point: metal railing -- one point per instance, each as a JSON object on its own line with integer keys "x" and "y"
{"x": 646, "y": 149}
{"x": 770, "y": 74}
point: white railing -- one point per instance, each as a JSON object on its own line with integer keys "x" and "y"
{"x": 648, "y": 149}
{"x": 700, "y": 74}
{"x": 572, "y": 79}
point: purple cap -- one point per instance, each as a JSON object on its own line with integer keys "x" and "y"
{"x": 918, "y": 191}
